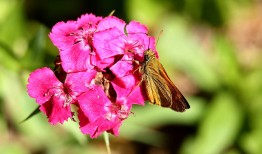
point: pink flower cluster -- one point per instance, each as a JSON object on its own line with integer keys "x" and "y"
{"x": 95, "y": 71}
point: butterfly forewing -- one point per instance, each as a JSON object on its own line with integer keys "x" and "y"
{"x": 179, "y": 103}
{"x": 157, "y": 91}
{"x": 160, "y": 89}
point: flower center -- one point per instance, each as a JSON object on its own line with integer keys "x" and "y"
{"x": 117, "y": 112}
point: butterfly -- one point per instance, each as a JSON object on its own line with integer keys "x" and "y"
{"x": 159, "y": 88}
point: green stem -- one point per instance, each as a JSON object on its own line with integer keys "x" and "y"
{"x": 106, "y": 138}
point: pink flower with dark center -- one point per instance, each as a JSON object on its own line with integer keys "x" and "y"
{"x": 97, "y": 70}
{"x": 98, "y": 114}
{"x": 55, "y": 97}
{"x": 74, "y": 40}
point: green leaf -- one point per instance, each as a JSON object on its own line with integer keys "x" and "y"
{"x": 36, "y": 111}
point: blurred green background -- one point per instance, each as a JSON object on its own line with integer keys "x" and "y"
{"x": 212, "y": 50}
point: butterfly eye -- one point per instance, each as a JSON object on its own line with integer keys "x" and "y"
{"x": 146, "y": 57}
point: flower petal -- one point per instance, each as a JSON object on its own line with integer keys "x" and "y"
{"x": 111, "y": 22}
{"x": 135, "y": 27}
{"x": 93, "y": 102}
{"x": 80, "y": 82}
{"x": 107, "y": 62}
{"x": 133, "y": 93}
{"x": 108, "y": 43}
{"x": 123, "y": 67}
{"x": 97, "y": 127}
{"x": 61, "y": 34}
{"x": 41, "y": 85}
{"x": 76, "y": 59}
{"x": 88, "y": 21}
{"x": 56, "y": 111}
{"x": 97, "y": 114}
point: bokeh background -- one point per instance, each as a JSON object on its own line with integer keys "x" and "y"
{"x": 212, "y": 50}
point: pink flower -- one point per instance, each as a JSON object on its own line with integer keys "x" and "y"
{"x": 74, "y": 40}
{"x": 98, "y": 114}
{"x": 55, "y": 97}
{"x": 135, "y": 39}
{"x": 96, "y": 70}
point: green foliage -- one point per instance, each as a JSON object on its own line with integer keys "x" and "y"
{"x": 225, "y": 94}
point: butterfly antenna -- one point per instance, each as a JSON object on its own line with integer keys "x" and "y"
{"x": 159, "y": 34}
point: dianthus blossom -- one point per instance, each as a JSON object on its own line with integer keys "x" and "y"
{"x": 94, "y": 71}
